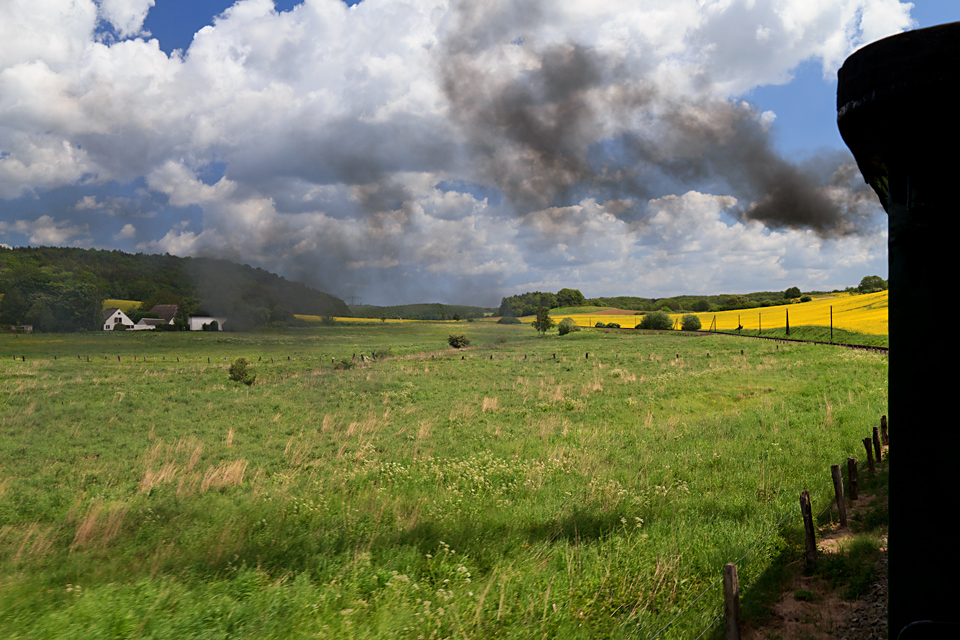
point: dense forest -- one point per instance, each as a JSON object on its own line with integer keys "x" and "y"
{"x": 63, "y": 289}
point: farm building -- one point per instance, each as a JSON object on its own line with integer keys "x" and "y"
{"x": 165, "y": 313}
{"x": 197, "y": 322}
{"x": 114, "y": 318}
{"x": 148, "y": 324}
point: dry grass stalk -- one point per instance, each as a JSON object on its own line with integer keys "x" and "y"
{"x": 490, "y": 404}
{"x": 229, "y": 440}
{"x": 36, "y": 542}
{"x": 152, "y": 478}
{"x": 424, "y": 431}
{"x": 195, "y": 457}
{"x": 463, "y": 411}
{"x": 87, "y": 528}
{"x": 225, "y": 474}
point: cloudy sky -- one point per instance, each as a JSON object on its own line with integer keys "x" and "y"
{"x": 449, "y": 150}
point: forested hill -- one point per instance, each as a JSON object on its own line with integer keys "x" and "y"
{"x": 62, "y": 289}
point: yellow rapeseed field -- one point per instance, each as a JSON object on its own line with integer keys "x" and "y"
{"x": 124, "y": 305}
{"x": 865, "y": 313}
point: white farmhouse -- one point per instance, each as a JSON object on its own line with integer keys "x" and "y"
{"x": 114, "y": 318}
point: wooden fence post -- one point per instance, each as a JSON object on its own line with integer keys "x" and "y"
{"x": 811, "y": 541}
{"x": 876, "y": 443}
{"x": 885, "y": 437}
{"x": 869, "y": 448}
{"x": 731, "y": 602}
{"x": 838, "y": 491}
{"x": 852, "y": 475}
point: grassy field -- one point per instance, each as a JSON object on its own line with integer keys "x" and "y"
{"x": 516, "y": 489}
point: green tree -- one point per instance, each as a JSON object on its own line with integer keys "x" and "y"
{"x": 656, "y": 320}
{"x": 792, "y": 292}
{"x": 690, "y": 322}
{"x": 872, "y": 283}
{"x": 570, "y": 298}
{"x": 544, "y": 322}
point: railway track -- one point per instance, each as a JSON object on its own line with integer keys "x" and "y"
{"x": 860, "y": 347}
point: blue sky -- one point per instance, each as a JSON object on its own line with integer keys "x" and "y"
{"x": 434, "y": 150}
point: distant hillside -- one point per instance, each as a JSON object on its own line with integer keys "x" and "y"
{"x": 429, "y": 311}
{"x": 61, "y": 289}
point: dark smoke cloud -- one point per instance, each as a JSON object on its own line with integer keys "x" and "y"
{"x": 568, "y": 127}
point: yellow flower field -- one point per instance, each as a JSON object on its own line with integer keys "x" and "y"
{"x": 865, "y": 313}
{"x": 124, "y": 305}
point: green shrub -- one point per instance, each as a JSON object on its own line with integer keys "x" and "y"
{"x": 567, "y": 325}
{"x": 656, "y": 320}
{"x": 690, "y": 322}
{"x": 328, "y": 321}
{"x": 599, "y": 325}
{"x": 508, "y": 320}
{"x": 805, "y": 298}
{"x": 239, "y": 372}
{"x": 343, "y": 364}
{"x": 458, "y": 340}
{"x": 613, "y": 325}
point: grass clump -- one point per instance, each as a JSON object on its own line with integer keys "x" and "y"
{"x": 853, "y": 565}
{"x": 344, "y": 364}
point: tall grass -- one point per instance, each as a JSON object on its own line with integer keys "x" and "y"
{"x": 540, "y": 492}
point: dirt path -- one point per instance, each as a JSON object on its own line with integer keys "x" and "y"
{"x": 820, "y": 613}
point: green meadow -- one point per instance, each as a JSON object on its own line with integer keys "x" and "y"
{"x": 589, "y": 486}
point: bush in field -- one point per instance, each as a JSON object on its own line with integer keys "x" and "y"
{"x": 343, "y": 364}
{"x": 328, "y": 321}
{"x": 508, "y": 320}
{"x": 805, "y": 298}
{"x": 613, "y": 325}
{"x": 599, "y": 325}
{"x": 567, "y": 325}
{"x": 458, "y": 341}
{"x": 656, "y": 320}
{"x": 239, "y": 372}
{"x": 690, "y": 322}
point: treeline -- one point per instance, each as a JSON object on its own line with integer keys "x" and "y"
{"x": 63, "y": 289}
{"x": 430, "y": 311}
{"x": 526, "y": 304}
